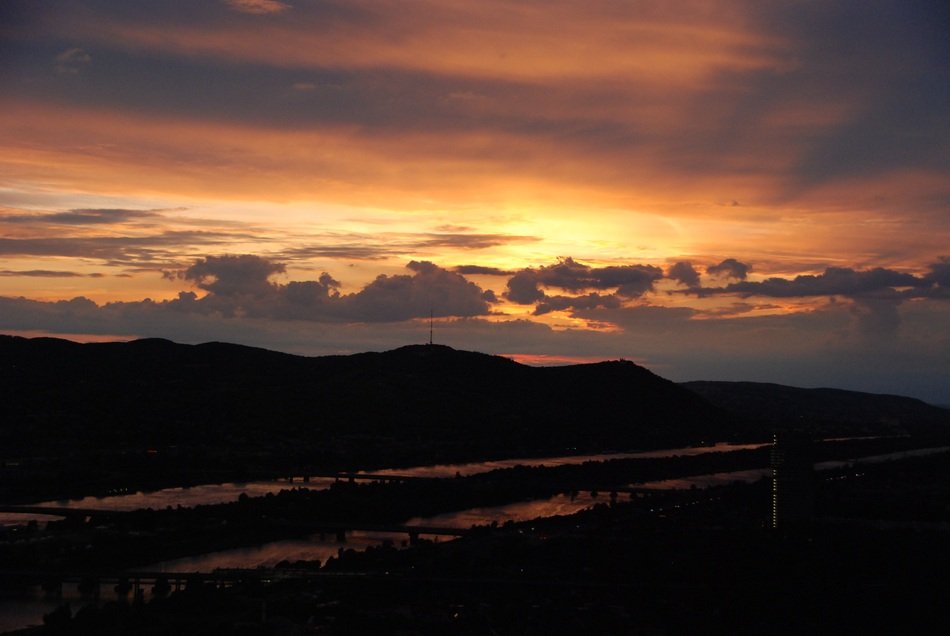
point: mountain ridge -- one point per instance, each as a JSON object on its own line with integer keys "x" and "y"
{"x": 159, "y": 393}
{"x": 417, "y": 401}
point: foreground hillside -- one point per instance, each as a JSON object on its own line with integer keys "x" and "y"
{"x": 59, "y": 395}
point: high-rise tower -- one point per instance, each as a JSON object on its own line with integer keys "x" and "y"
{"x": 793, "y": 474}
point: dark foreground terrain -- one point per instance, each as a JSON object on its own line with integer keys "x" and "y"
{"x": 870, "y": 561}
{"x": 863, "y": 552}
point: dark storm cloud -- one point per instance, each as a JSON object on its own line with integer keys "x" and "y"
{"x": 630, "y": 281}
{"x": 731, "y": 268}
{"x": 684, "y": 273}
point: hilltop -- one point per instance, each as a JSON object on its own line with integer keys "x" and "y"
{"x": 59, "y": 395}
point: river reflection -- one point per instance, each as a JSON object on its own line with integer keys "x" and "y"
{"x": 521, "y": 511}
{"x": 184, "y": 497}
{"x": 877, "y": 459}
{"x": 314, "y": 548}
{"x": 321, "y": 547}
{"x": 227, "y": 492}
{"x": 748, "y": 476}
{"x": 705, "y": 481}
{"x": 474, "y": 468}
{"x": 8, "y": 519}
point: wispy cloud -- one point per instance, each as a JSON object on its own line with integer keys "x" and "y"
{"x": 82, "y": 217}
{"x": 46, "y": 273}
{"x": 133, "y": 250}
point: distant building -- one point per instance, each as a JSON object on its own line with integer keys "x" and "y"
{"x": 793, "y": 479}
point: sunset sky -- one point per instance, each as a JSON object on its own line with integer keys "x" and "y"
{"x": 716, "y": 190}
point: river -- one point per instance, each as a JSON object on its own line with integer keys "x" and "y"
{"x": 317, "y": 547}
{"x": 222, "y": 493}
{"x": 21, "y": 612}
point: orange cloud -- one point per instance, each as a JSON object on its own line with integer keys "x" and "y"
{"x": 526, "y": 41}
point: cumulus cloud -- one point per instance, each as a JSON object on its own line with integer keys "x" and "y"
{"x": 630, "y": 281}
{"x": 234, "y": 275}
{"x": 876, "y": 293}
{"x": 730, "y": 268}
{"x": 840, "y": 281}
{"x": 940, "y": 273}
{"x": 684, "y": 273}
{"x": 590, "y": 301}
{"x": 240, "y": 286}
{"x": 429, "y": 288}
{"x": 817, "y": 348}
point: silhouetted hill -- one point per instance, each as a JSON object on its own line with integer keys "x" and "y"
{"x": 61, "y": 395}
{"x": 830, "y": 411}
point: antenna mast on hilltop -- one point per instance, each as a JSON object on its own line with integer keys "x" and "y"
{"x": 430, "y": 326}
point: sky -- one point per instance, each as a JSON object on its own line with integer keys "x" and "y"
{"x": 731, "y": 190}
